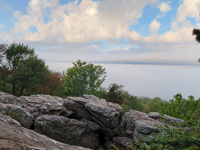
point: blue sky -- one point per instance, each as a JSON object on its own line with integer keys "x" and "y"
{"x": 124, "y": 31}
{"x": 148, "y": 32}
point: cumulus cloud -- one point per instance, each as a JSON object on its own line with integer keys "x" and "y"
{"x": 154, "y": 26}
{"x": 87, "y": 21}
{"x": 164, "y": 7}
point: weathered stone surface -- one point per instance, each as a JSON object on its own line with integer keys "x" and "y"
{"x": 78, "y": 108}
{"x": 154, "y": 115}
{"x": 7, "y": 98}
{"x": 14, "y": 137}
{"x": 17, "y": 113}
{"x": 93, "y": 126}
{"x": 40, "y": 104}
{"x": 122, "y": 142}
{"x": 108, "y": 113}
{"x": 172, "y": 119}
{"x": 130, "y": 118}
{"x": 145, "y": 128}
{"x": 67, "y": 130}
{"x": 9, "y": 120}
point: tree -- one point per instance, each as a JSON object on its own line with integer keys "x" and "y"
{"x": 52, "y": 85}
{"x": 3, "y": 48}
{"x": 26, "y": 69}
{"x": 116, "y": 94}
{"x": 83, "y": 78}
{"x": 196, "y": 32}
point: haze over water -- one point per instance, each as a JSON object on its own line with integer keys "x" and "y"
{"x": 162, "y": 81}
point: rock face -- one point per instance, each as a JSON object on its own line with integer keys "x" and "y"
{"x": 15, "y": 137}
{"x": 17, "y": 113}
{"x": 107, "y": 115}
{"x": 67, "y": 130}
{"x": 40, "y": 104}
{"x": 85, "y": 121}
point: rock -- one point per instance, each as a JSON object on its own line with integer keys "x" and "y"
{"x": 7, "y": 98}
{"x": 67, "y": 130}
{"x": 145, "y": 128}
{"x": 122, "y": 142}
{"x": 93, "y": 126}
{"x": 19, "y": 138}
{"x": 107, "y": 115}
{"x": 40, "y": 104}
{"x": 9, "y": 120}
{"x": 142, "y": 137}
{"x": 172, "y": 119}
{"x": 17, "y": 113}
{"x": 154, "y": 115}
{"x": 78, "y": 109}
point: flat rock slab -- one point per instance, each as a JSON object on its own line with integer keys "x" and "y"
{"x": 40, "y": 104}
{"x": 19, "y": 138}
{"x": 67, "y": 130}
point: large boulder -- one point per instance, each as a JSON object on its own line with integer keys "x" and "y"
{"x": 17, "y": 113}
{"x": 67, "y": 130}
{"x": 15, "y": 137}
{"x": 39, "y": 104}
{"x": 106, "y": 114}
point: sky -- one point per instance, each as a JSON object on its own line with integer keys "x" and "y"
{"x": 147, "y": 45}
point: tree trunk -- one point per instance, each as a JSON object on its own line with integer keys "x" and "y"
{"x": 21, "y": 92}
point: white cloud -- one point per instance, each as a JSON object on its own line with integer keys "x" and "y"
{"x": 127, "y": 48}
{"x": 164, "y": 7}
{"x": 154, "y": 26}
{"x": 89, "y": 20}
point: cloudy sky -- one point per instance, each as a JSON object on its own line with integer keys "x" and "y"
{"x": 146, "y": 45}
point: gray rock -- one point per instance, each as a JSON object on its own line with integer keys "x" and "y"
{"x": 17, "y": 113}
{"x": 78, "y": 108}
{"x": 154, "y": 115}
{"x": 145, "y": 128}
{"x": 67, "y": 130}
{"x": 123, "y": 143}
{"x": 14, "y": 137}
{"x": 108, "y": 113}
{"x": 9, "y": 120}
{"x": 7, "y": 98}
{"x": 40, "y": 104}
{"x": 142, "y": 137}
{"x": 172, "y": 119}
{"x": 93, "y": 126}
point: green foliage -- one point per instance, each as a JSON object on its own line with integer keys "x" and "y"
{"x": 84, "y": 78}
{"x": 116, "y": 94}
{"x": 22, "y": 70}
{"x": 184, "y": 136}
{"x": 132, "y": 103}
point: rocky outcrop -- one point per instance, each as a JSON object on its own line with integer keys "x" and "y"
{"x": 39, "y": 104}
{"x": 106, "y": 114}
{"x": 67, "y": 130}
{"x": 17, "y": 113}
{"x": 15, "y": 137}
{"x": 85, "y": 121}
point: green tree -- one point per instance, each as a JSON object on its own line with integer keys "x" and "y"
{"x": 26, "y": 69}
{"x": 83, "y": 78}
{"x": 154, "y": 104}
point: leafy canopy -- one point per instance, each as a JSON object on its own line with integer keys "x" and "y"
{"x": 83, "y": 78}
